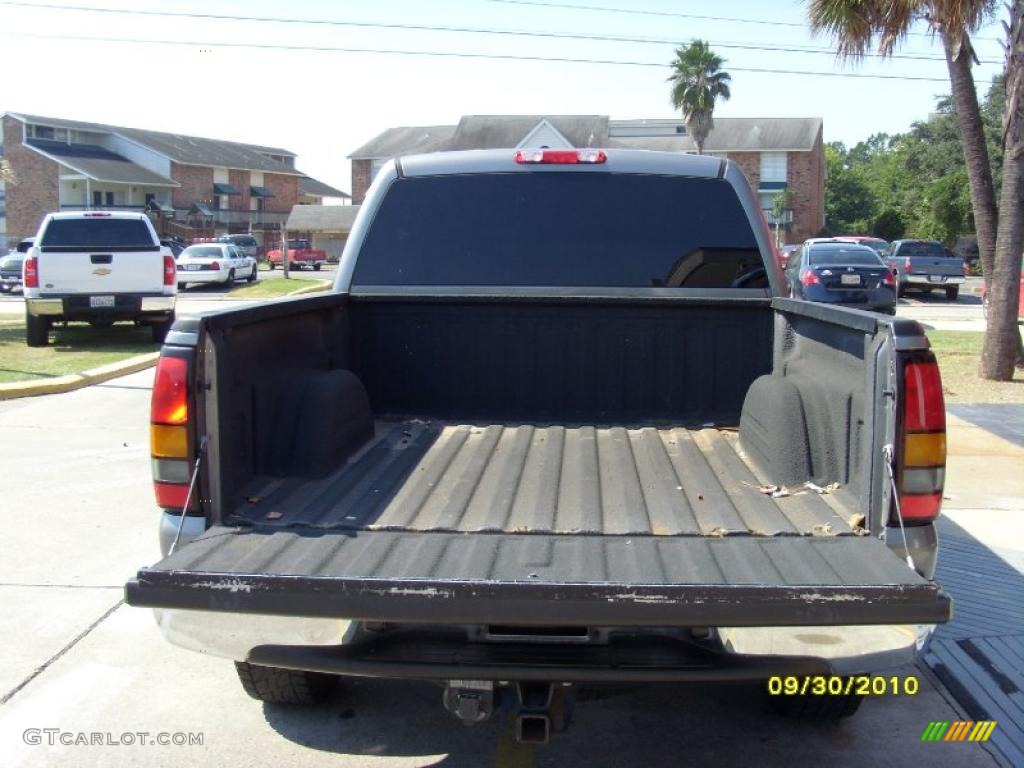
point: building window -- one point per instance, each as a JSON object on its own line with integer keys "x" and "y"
{"x": 110, "y": 198}
{"x": 773, "y": 166}
{"x": 97, "y": 199}
{"x": 40, "y": 131}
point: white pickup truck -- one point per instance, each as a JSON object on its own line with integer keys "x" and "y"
{"x": 98, "y": 267}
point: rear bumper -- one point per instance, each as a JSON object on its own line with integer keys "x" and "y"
{"x": 77, "y": 307}
{"x": 205, "y": 276}
{"x": 624, "y": 656}
{"x": 924, "y": 281}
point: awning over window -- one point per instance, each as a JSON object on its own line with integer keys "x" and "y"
{"x": 260, "y": 192}
{"x": 224, "y": 189}
{"x": 200, "y": 209}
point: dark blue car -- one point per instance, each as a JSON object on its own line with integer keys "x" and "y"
{"x": 834, "y": 272}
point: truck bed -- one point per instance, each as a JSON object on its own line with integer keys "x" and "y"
{"x": 428, "y": 476}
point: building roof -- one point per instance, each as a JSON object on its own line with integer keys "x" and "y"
{"x": 310, "y": 186}
{"x": 188, "y": 150}
{"x": 731, "y": 134}
{"x": 99, "y": 164}
{"x": 322, "y": 218}
{"x": 406, "y": 141}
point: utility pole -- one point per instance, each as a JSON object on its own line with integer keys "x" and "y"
{"x": 284, "y": 252}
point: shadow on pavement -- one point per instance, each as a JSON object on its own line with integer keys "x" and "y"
{"x": 1004, "y": 419}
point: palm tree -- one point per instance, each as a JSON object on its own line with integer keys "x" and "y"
{"x": 856, "y": 25}
{"x": 697, "y": 82}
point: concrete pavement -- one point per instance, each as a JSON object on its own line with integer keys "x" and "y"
{"x": 80, "y": 520}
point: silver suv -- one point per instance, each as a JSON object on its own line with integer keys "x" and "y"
{"x": 247, "y": 244}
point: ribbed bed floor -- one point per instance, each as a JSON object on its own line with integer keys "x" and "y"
{"x": 423, "y": 476}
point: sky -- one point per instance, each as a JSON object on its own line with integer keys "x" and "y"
{"x": 258, "y": 81}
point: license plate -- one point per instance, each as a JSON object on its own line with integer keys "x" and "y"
{"x": 850, "y": 279}
{"x": 936, "y": 279}
{"x": 193, "y": 267}
{"x": 101, "y": 301}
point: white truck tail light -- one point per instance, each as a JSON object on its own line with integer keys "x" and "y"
{"x": 169, "y": 270}
{"x": 31, "y": 272}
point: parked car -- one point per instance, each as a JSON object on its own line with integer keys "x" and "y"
{"x": 835, "y": 272}
{"x": 925, "y": 265}
{"x": 471, "y": 463}
{"x": 247, "y": 244}
{"x": 100, "y": 267}
{"x": 214, "y": 263}
{"x": 300, "y": 254}
{"x": 1020, "y": 298}
{"x": 175, "y": 245}
{"x": 11, "y": 265}
{"x": 786, "y": 253}
{"x": 879, "y": 245}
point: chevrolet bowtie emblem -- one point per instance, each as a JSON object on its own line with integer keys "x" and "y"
{"x": 101, "y": 271}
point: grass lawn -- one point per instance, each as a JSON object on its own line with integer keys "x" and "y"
{"x": 266, "y": 289}
{"x": 959, "y": 353}
{"x": 77, "y": 348}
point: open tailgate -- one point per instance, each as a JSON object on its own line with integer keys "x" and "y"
{"x": 600, "y": 580}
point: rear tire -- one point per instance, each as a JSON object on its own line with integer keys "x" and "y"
{"x": 817, "y": 708}
{"x": 37, "y": 330}
{"x": 182, "y": 286}
{"x": 316, "y": 267}
{"x": 952, "y": 292}
{"x": 231, "y": 277}
{"x": 159, "y": 330}
{"x": 285, "y": 686}
{"x": 252, "y": 275}
{"x": 271, "y": 265}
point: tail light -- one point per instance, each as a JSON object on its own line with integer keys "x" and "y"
{"x": 889, "y": 278}
{"x": 560, "y": 156}
{"x": 169, "y": 270}
{"x": 807, "y": 277}
{"x": 168, "y": 434}
{"x": 31, "y": 272}
{"x": 923, "y": 470}
{"x": 215, "y": 266}
{"x": 906, "y": 264}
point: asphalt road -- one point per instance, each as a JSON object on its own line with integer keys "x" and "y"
{"x": 79, "y": 520}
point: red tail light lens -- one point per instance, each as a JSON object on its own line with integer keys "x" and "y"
{"x": 807, "y": 277}
{"x": 31, "y": 272}
{"x": 170, "y": 392}
{"x": 560, "y": 156}
{"x": 890, "y": 278}
{"x": 171, "y": 495}
{"x": 924, "y": 409}
{"x": 906, "y": 264}
{"x": 169, "y": 270}
{"x": 215, "y": 266}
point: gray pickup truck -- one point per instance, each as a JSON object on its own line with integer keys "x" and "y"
{"x": 926, "y": 265}
{"x": 555, "y": 426}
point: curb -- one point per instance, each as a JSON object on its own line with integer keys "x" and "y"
{"x": 78, "y": 380}
{"x": 322, "y": 286}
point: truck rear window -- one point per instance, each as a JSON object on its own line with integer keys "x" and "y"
{"x": 98, "y": 233}
{"x": 925, "y": 250}
{"x": 559, "y": 229}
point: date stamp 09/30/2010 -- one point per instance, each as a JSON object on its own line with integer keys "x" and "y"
{"x": 835, "y": 685}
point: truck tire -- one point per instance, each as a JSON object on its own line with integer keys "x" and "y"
{"x": 316, "y": 267}
{"x": 952, "y": 291}
{"x": 285, "y": 686}
{"x": 271, "y": 264}
{"x": 159, "y": 330}
{"x": 820, "y": 708}
{"x": 37, "y": 330}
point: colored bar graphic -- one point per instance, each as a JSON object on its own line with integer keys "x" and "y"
{"x": 959, "y": 730}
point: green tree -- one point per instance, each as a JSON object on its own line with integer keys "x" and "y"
{"x": 697, "y": 83}
{"x": 888, "y": 225}
{"x": 848, "y": 200}
{"x": 855, "y": 25}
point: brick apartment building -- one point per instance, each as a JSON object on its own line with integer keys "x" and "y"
{"x": 776, "y": 154}
{"x": 190, "y": 186}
